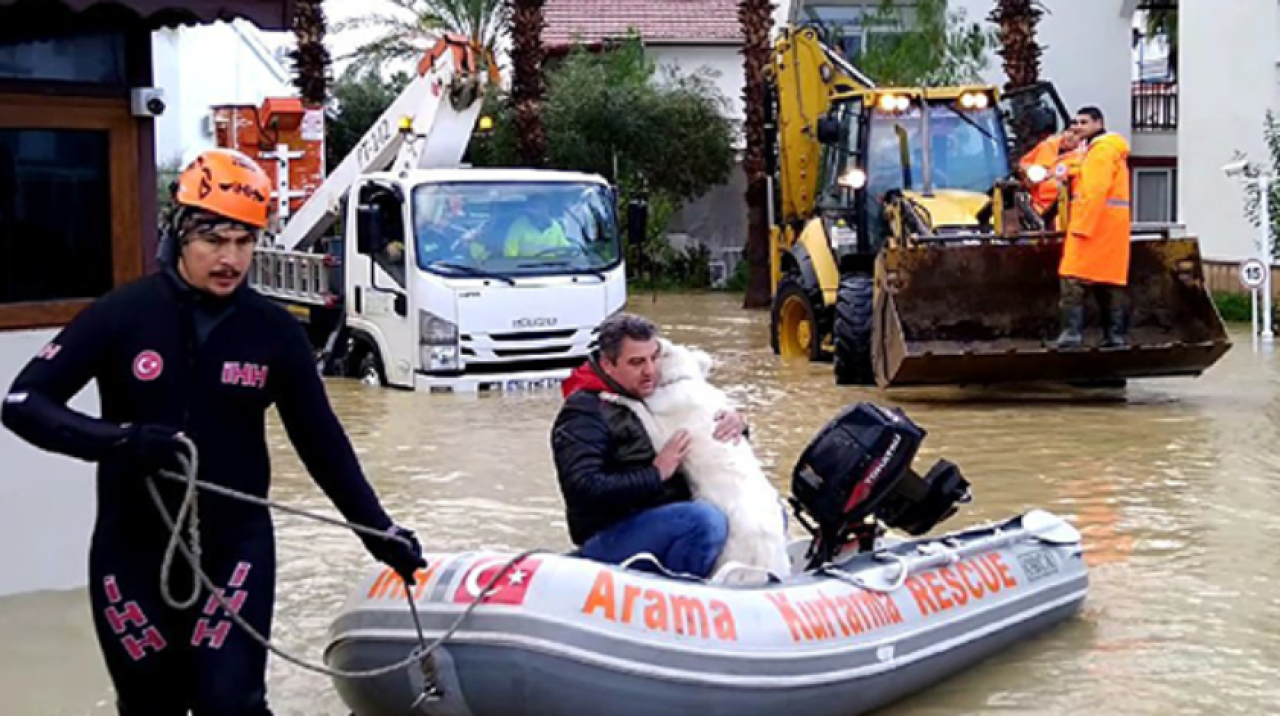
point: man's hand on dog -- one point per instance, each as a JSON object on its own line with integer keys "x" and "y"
{"x": 668, "y": 461}
{"x": 730, "y": 425}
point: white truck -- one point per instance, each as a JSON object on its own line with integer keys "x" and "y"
{"x": 447, "y": 276}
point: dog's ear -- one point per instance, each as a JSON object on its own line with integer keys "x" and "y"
{"x": 706, "y": 364}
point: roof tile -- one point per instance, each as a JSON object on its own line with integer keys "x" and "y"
{"x": 668, "y": 20}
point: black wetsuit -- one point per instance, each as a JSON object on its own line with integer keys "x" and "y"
{"x": 164, "y": 354}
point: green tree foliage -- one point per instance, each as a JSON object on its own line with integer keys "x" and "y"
{"x": 924, "y": 44}
{"x": 664, "y": 137}
{"x": 359, "y": 97}
{"x": 1252, "y": 205}
{"x": 405, "y": 33}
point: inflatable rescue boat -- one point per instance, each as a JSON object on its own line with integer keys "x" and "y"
{"x": 862, "y": 620}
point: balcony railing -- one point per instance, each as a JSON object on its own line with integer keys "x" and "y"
{"x": 1155, "y": 107}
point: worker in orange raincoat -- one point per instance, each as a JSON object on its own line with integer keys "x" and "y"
{"x": 1051, "y": 166}
{"x": 1095, "y": 257}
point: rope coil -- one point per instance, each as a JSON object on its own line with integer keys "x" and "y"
{"x": 188, "y": 518}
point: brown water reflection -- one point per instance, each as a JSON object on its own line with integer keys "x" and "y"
{"x": 1170, "y": 482}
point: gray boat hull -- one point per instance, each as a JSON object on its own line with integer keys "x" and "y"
{"x": 575, "y": 637}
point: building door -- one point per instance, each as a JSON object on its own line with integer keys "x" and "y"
{"x": 70, "y": 228}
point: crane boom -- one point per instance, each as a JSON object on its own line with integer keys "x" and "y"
{"x": 442, "y": 105}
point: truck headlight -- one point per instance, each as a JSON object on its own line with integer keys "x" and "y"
{"x": 436, "y": 331}
{"x": 439, "y": 357}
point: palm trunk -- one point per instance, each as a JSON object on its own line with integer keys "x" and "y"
{"x": 756, "y": 18}
{"x": 311, "y": 59}
{"x": 527, "y": 87}
{"x": 1017, "y": 20}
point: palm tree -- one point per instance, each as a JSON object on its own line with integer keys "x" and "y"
{"x": 528, "y": 91}
{"x": 406, "y": 34}
{"x": 756, "y": 19}
{"x": 1017, "y": 20}
{"x": 311, "y": 59}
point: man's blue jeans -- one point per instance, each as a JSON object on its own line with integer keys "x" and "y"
{"x": 687, "y": 537}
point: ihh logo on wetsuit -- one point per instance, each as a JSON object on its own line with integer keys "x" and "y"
{"x": 148, "y": 366}
{"x": 245, "y": 374}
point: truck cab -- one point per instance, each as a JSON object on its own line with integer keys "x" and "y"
{"x": 470, "y": 278}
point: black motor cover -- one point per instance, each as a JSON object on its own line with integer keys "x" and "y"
{"x": 852, "y": 464}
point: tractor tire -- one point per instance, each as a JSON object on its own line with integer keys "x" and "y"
{"x": 855, "y": 307}
{"x": 793, "y": 323}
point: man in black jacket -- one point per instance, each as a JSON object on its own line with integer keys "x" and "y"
{"x": 623, "y": 497}
{"x": 192, "y": 350}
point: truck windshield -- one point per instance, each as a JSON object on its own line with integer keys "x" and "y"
{"x": 967, "y": 150}
{"x": 515, "y": 228}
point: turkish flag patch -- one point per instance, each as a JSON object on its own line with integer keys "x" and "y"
{"x": 510, "y": 589}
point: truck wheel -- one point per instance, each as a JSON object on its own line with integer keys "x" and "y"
{"x": 369, "y": 370}
{"x": 854, "y": 310}
{"x": 794, "y": 328}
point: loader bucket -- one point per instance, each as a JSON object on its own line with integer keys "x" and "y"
{"x": 984, "y": 313}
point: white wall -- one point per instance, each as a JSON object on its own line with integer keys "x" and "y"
{"x": 1155, "y": 144}
{"x": 1086, "y": 53}
{"x": 1223, "y": 100}
{"x": 198, "y": 67}
{"x": 47, "y": 502}
{"x": 725, "y": 60}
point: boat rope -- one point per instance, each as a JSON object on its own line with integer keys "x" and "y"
{"x": 188, "y": 518}
{"x": 904, "y": 569}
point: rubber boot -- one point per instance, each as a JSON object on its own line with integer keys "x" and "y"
{"x": 1072, "y": 325}
{"x": 1071, "y": 306}
{"x": 1115, "y": 326}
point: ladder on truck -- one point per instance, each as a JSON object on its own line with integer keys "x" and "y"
{"x": 300, "y": 277}
{"x": 427, "y": 126}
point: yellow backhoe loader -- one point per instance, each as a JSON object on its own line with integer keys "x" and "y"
{"x": 905, "y": 247}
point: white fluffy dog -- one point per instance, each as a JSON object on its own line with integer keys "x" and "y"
{"x": 724, "y": 474}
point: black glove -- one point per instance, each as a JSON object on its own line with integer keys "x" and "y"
{"x": 151, "y": 448}
{"x": 404, "y": 555}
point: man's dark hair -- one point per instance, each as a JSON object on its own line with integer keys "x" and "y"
{"x": 619, "y": 327}
{"x": 1092, "y": 113}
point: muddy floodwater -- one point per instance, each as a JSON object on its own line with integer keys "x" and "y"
{"x": 1175, "y": 485}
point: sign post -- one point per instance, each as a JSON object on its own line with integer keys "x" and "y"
{"x": 1264, "y": 191}
{"x": 1253, "y": 276}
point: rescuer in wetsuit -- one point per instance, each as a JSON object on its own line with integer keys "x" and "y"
{"x": 191, "y": 349}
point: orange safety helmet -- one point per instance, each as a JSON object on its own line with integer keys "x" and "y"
{"x": 227, "y": 183}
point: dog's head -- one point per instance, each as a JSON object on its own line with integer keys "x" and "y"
{"x": 676, "y": 362}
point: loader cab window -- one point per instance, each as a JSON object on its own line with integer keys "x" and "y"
{"x": 966, "y": 149}
{"x": 515, "y": 228}
{"x": 380, "y": 229}
{"x": 969, "y": 151}
{"x": 839, "y": 159}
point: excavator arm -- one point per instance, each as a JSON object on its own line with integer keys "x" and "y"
{"x": 808, "y": 78}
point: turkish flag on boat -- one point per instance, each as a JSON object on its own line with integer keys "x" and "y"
{"x": 511, "y": 587}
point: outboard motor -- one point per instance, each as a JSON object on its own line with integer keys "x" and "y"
{"x": 855, "y": 478}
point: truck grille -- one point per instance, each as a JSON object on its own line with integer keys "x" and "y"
{"x": 534, "y": 335}
{"x": 518, "y": 366}
{"x": 517, "y": 352}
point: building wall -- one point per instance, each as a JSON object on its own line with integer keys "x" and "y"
{"x": 1155, "y": 144}
{"x": 47, "y": 502}
{"x": 1079, "y": 37}
{"x": 1222, "y": 105}
{"x": 717, "y": 219}
{"x": 725, "y": 61}
{"x": 199, "y": 67}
